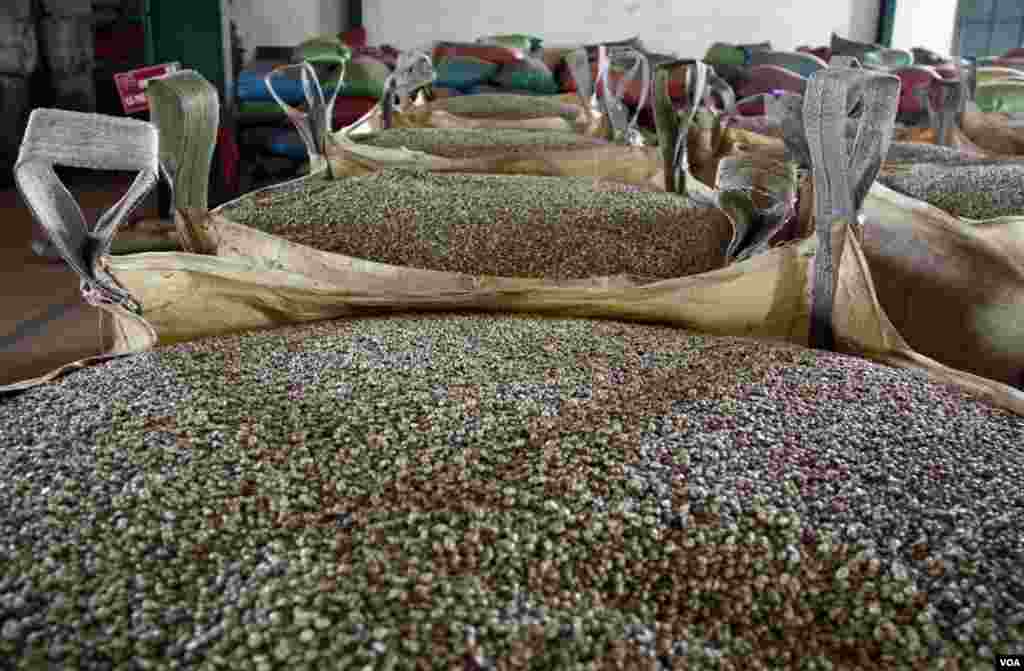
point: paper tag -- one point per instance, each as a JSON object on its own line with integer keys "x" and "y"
{"x": 131, "y": 85}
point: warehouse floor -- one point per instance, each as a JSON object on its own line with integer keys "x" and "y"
{"x": 44, "y": 322}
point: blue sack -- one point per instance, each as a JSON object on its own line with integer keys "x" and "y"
{"x": 251, "y": 87}
{"x": 463, "y": 73}
{"x": 286, "y": 142}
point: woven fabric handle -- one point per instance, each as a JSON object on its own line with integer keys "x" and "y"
{"x": 413, "y": 71}
{"x": 612, "y": 109}
{"x": 718, "y": 86}
{"x": 738, "y": 178}
{"x": 637, "y": 64}
{"x": 842, "y": 171}
{"x": 696, "y": 83}
{"x": 944, "y": 102}
{"x": 75, "y": 139}
{"x": 579, "y": 66}
{"x": 969, "y": 81}
{"x": 850, "y": 169}
{"x": 313, "y": 124}
{"x": 673, "y": 128}
{"x": 185, "y": 108}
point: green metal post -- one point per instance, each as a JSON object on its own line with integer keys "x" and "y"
{"x": 188, "y": 31}
{"x": 886, "y": 19}
{"x": 355, "y": 14}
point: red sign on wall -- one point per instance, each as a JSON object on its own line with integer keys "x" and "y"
{"x": 131, "y": 85}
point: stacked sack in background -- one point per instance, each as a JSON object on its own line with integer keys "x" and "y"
{"x": 270, "y": 146}
{"x": 524, "y": 64}
{"x": 513, "y": 64}
{"x": 996, "y": 84}
{"x": 500, "y": 63}
{"x": 999, "y": 83}
{"x": 18, "y": 57}
{"x": 53, "y": 34}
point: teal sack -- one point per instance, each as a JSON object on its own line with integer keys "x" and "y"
{"x": 530, "y": 75}
{"x": 463, "y": 72}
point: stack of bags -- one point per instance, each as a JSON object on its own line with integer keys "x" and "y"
{"x": 757, "y": 73}
{"x": 756, "y": 69}
{"x": 18, "y": 57}
{"x": 58, "y": 33}
{"x": 522, "y": 64}
{"x": 500, "y": 63}
{"x": 1000, "y": 83}
{"x": 272, "y": 147}
{"x": 752, "y": 211}
{"x": 515, "y": 64}
{"x": 747, "y": 254}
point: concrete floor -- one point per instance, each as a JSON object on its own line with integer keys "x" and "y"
{"x": 44, "y": 323}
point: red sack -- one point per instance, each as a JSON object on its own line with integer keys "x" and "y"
{"x": 767, "y": 78}
{"x": 348, "y": 110}
{"x": 824, "y": 53}
{"x": 1010, "y": 62}
{"x": 230, "y": 157}
{"x": 754, "y": 107}
{"x": 485, "y": 52}
{"x": 912, "y": 79}
{"x": 947, "y": 70}
{"x": 354, "y": 38}
{"x": 385, "y": 54}
{"x": 631, "y": 95}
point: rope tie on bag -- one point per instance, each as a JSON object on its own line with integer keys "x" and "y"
{"x": 91, "y": 141}
{"x": 313, "y": 124}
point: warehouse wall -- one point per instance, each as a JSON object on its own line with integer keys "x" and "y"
{"x": 925, "y": 23}
{"x": 686, "y": 27}
{"x": 275, "y": 23}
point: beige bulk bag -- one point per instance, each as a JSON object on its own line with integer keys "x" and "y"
{"x": 259, "y": 281}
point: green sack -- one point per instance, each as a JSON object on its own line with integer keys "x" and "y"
{"x": 525, "y": 43}
{"x": 530, "y": 74}
{"x": 896, "y": 58}
{"x": 725, "y": 54}
{"x": 1001, "y": 95}
{"x": 873, "y": 58}
{"x": 259, "y": 111}
{"x": 327, "y": 50}
{"x": 365, "y": 77}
